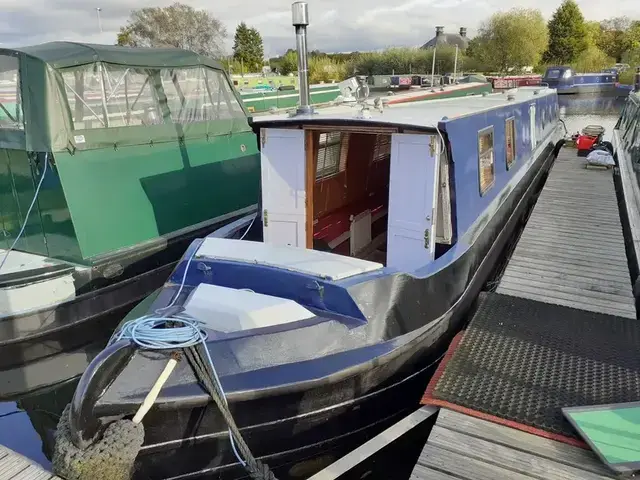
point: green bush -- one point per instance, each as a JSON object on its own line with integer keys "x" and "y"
{"x": 325, "y": 69}
{"x": 592, "y": 60}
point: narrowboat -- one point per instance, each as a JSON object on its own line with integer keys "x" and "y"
{"x": 566, "y": 81}
{"x": 326, "y": 313}
{"x": 112, "y": 161}
{"x": 514, "y": 81}
{"x": 265, "y": 100}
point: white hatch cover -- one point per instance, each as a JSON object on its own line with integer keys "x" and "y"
{"x": 230, "y": 310}
{"x": 312, "y": 262}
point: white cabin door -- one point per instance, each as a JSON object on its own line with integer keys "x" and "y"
{"x": 532, "y": 123}
{"x": 413, "y": 193}
{"x": 283, "y": 186}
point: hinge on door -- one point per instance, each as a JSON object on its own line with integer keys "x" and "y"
{"x": 265, "y": 219}
{"x": 426, "y": 239}
{"x": 263, "y": 137}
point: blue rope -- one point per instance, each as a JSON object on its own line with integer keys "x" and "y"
{"x": 26, "y": 218}
{"x": 147, "y": 332}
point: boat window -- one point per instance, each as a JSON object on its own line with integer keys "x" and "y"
{"x": 486, "y": 159}
{"x": 567, "y": 73}
{"x": 382, "y": 149}
{"x": 11, "y": 117}
{"x": 555, "y": 73}
{"x": 332, "y": 154}
{"x": 510, "y": 130}
{"x": 103, "y": 95}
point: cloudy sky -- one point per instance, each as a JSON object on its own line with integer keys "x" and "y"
{"x": 336, "y": 25}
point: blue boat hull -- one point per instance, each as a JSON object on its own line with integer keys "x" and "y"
{"x": 298, "y": 428}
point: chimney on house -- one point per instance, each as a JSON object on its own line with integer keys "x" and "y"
{"x": 439, "y": 31}
{"x": 463, "y": 31}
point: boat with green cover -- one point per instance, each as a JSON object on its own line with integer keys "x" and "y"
{"x": 264, "y": 100}
{"x": 112, "y": 160}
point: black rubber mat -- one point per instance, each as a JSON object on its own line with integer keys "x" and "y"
{"x": 522, "y": 361}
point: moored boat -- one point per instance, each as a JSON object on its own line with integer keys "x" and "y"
{"x": 326, "y": 313}
{"x": 112, "y": 160}
{"x": 567, "y": 81}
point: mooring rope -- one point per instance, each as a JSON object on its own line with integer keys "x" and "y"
{"x": 170, "y": 328}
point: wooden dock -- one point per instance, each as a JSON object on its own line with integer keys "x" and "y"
{"x": 14, "y": 466}
{"x": 572, "y": 250}
{"x": 462, "y": 447}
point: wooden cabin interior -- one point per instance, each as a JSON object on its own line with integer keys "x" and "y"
{"x": 345, "y": 182}
{"x": 350, "y": 192}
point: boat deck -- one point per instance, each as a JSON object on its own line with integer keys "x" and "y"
{"x": 14, "y": 466}
{"x": 572, "y": 250}
{"x": 462, "y": 447}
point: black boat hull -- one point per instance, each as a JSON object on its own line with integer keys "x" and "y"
{"x": 36, "y": 337}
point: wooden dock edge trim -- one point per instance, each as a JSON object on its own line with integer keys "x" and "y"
{"x": 507, "y": 423}
{"x": 377, "y": 443}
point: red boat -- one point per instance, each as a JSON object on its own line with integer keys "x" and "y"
{"x": 514, "y": 81}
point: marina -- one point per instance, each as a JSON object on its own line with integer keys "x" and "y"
{"x": 433, "y": 284}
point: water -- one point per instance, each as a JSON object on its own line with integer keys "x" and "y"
{"x": 27, "y": 424}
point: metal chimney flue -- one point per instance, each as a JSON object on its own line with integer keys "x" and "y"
{"x": 300, "y": 15}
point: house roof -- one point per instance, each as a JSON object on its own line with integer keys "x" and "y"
{"x": 448, "y": 39}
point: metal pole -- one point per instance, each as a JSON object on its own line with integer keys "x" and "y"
{"x": 300, "y": 14}
{"x": 98, "y": 10}
{"x": 433, "y": 64}
{"x": 455, "y": 64}
{"x": 105, "y": 112}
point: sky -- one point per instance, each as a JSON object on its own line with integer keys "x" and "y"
{"x": 335, "y": 25}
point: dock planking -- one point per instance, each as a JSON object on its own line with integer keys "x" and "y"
{"x": 572, "y": 250}
{"x": 14, "y": 466}
{"x": 462, "y": 447}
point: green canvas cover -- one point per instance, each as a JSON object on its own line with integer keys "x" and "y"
{"x": 42, "y": 88}
{"x": 143, "y": 144}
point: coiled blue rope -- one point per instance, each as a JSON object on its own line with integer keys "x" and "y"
{"x": 150, "y": 332}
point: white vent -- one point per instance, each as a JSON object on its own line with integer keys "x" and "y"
{"x": 230, "y": 310}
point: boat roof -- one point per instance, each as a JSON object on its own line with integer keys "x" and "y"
{"x": 426, "y": 114}
{"x": 71, "y": 54}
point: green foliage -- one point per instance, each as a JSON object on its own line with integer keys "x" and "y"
{"x": 568, "y": 35}
{"x": 289, "y": 63}
{"x": 325, "y": 69}
{"x": 628, "y": 77}
{"x": 592, "y": 60}
{"x": 406, "y": 60}
{"x": 593, "y": 33}
{"x": 511, "y": 40}
{"x": 618, "y": 36}
{"x": 177, "y": 25}
{"x": 248, "y": 48}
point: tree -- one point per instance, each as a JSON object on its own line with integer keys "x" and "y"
{"x": 619, "y": 35}
{"x": 178, "y": 25}
{"x": 289, "y": 63}
{"x": 248, "y": 48}
{"x": 567, "y": 34}
{"x": 511, "y": 40}
{"x": 593, "y": 33}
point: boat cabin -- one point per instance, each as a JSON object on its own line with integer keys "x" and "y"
{"x": 383, "y": 189}
{"x": 136, "y": 140}
{"x": 566, "y": 80}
